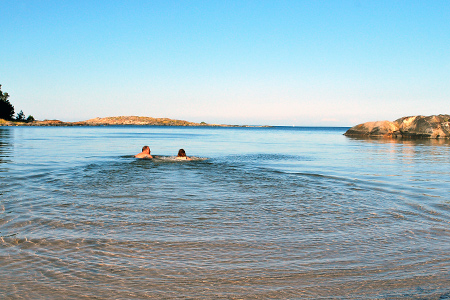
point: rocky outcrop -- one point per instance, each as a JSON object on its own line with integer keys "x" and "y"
{"x": 379, "y": 128}
{"x": 135, "y": 120}
{"x": 121, "y": 120}
{"x": 435, "y": 127}
{"x": 41, "y": 123}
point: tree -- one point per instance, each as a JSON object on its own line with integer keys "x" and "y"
{"x": 30, "y": 118}
{"x": 6, "y": 108}
{"x": 20, "y": 116}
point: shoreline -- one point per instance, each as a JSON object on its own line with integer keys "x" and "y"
{"x": 72, "y": 124}
{"x": 119, "y": 121}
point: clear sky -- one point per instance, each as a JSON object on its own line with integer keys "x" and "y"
{"x": 319, "y": 63}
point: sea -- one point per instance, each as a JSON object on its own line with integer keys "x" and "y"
{"x": 258, "y": 213}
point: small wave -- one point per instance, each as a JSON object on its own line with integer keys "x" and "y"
{"x": 165, "y": 158}
{"x": 175, "y": 159}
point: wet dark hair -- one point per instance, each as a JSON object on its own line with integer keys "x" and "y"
{"x": 145, "y": 147}
{"x": 181, "y": 153}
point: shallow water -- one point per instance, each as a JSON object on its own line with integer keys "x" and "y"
{"x": 267, "y": 213}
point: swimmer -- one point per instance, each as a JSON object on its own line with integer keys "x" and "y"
{"x": 182, "y": 155}
{"x": 145, "y": 153}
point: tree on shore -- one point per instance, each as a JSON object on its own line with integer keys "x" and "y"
{"x": 20, "y": 116}
{"x": 6, "y": 108}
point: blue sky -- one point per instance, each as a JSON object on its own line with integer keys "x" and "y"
{"x": 319, "y": 63}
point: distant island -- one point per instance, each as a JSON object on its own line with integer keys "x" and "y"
{"x": 120, "y": 120}
{"x": 413, "y": 127}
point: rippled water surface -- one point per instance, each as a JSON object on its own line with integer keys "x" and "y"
{"x": 263, "y": 213}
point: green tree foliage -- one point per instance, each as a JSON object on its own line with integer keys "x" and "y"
{"x": 6, "y": 108}
{"x": 30, "y": 118}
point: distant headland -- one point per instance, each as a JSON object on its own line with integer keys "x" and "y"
{"x": 413, "y": 127}
{"x": 120, "y": 120}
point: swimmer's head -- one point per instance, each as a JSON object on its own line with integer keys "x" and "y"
{"x": 181, "y": 153}
{"x": 145, "y": 148}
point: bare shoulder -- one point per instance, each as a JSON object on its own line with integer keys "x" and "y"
{"x": 182, "y": 158}
{"x": 143, "y": 155}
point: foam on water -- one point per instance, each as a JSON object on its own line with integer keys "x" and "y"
{"x": 161, "y": 158}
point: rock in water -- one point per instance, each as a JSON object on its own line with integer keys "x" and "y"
{"x": 435, "y": 126}
{"x": 379, "y": 129}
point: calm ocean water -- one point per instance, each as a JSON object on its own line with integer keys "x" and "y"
{"x": 272, "y": 213}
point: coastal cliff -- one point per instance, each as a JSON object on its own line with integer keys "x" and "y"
{"x": 429, "y": 127}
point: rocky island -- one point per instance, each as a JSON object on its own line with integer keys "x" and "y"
{"x": 120, "y": 120}
{"x": 134, "y": 120}
{"x": 424, "y": 127}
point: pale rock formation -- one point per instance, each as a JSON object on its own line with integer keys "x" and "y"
{"x": 435, "y": 126}
{"x": 378, "y": 128}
